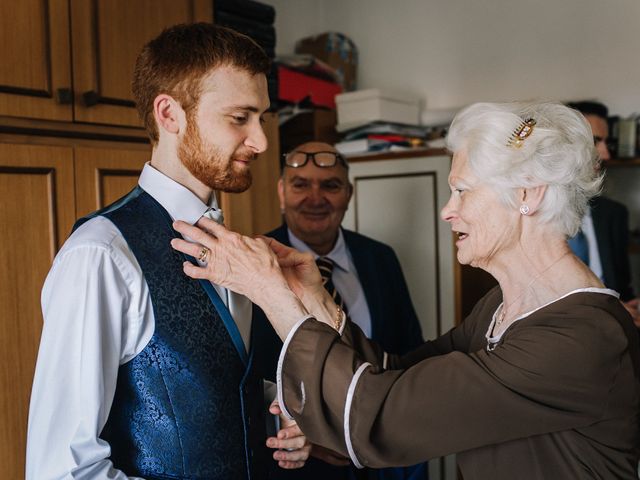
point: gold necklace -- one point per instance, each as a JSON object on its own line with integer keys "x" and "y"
{"x": 501, "y": 316}
{"x": 503, "y": 311}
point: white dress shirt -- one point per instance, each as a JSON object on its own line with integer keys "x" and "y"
{"x": 345, "y": 278}
{"x": 97, "y": 316}
{"x": 595, "y": 264}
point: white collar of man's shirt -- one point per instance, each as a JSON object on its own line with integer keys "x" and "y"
{"x": 179, "y": 201}
{"x": 338, "y": 254}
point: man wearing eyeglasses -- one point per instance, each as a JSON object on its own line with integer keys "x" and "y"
{"x": 606, "y": 224}
{"x": 314, "y": 192}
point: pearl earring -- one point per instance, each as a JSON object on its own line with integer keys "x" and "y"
{"x": 524, "y": 209}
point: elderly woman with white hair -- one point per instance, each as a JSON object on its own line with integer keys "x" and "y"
{"x": 540, "y": 381}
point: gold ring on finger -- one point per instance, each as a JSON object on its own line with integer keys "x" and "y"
{"x": 204, "y": 254}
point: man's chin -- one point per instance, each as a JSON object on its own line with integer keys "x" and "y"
{"x": 315, "y": 228}
{"x": 235, "y": 187}
{"x": 237, "y": 183}
{"x": 315, "y": 218}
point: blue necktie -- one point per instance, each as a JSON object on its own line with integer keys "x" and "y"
{"x": 580, "y": 246}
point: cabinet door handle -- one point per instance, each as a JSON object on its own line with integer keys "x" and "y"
{"x": 90, "y": 98}
{"x": 64, "y": 96}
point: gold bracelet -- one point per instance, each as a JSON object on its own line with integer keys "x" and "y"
{"x": 338, "y": 321}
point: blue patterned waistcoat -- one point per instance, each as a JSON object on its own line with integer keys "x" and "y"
{"x": 188, "y": 406}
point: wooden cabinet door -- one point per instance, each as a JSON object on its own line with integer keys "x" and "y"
{"x": 36, "y": 214}
{"x": 35, "y": 72}
{"x": 103, "y": 175}
{"x": 107, "y": 37}
{"x": 257, "y": 210}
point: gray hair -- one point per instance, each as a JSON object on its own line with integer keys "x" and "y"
{"x": 559, "y": 153}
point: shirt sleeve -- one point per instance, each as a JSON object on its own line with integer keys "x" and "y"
{"x": 451, "y": 402}
{"x": 92, "y": 324}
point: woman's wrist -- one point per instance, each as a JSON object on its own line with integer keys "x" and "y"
{"x": 283, "y": 308}
{"x": 324, "y": 309}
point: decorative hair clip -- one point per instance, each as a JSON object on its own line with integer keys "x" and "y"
{"x": 521, "y": 133}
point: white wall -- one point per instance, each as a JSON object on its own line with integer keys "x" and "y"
{"x": 455, "y": 52}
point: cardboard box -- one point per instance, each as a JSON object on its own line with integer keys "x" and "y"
{"x": 336, "y": 50}
{"x": 374, "y": 105}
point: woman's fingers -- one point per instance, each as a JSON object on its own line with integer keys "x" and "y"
{"x": 211, "y": 226}
{"x": 288, "y": 256}
{"x": 204, "y": 235}
{"x": 278, "y": 248}
{"x": 189, "y": 248}
{"x": 296, "y": 259}
{"x": 196, "y": 272}
{"x": 231, "y": 260}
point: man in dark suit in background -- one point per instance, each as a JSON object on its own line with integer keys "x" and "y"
{"x": 314, "y": 193}
{"x": 606, "y": 225}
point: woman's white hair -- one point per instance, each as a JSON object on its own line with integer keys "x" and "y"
{"x": 559, "y": 153}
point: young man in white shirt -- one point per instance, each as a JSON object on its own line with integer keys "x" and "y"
{"x": 143, "y": 373}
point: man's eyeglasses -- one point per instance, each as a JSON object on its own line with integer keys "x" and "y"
{"x": 297, "y": 159}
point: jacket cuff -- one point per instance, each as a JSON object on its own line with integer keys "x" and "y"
{"x": 283, "y": 352}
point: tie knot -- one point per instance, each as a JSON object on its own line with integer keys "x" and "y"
{"x": 215, "y": 215}
{"x": 325, "y": 265}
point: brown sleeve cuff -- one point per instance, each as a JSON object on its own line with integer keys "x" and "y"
{"x": 316, "y": 401}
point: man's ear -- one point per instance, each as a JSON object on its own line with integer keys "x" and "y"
{"x": 532, "y": 197}
{"x": 281, "y": 192}
{"x": 168, "y": 113}
{"x": 350, "y": 187}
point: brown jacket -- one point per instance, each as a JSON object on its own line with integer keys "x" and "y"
{"x": 558, "y": 397}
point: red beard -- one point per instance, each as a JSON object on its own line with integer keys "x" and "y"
{"x": 209, "y": 165}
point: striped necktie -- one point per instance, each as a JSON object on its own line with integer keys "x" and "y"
{"x": 325, "y": 265}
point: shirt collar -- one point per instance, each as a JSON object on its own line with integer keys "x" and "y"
{"x": 180, "y": 202}
{"x": 338, "y": 255}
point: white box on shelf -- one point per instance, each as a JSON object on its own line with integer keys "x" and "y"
{"x": 375, "y": 105}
